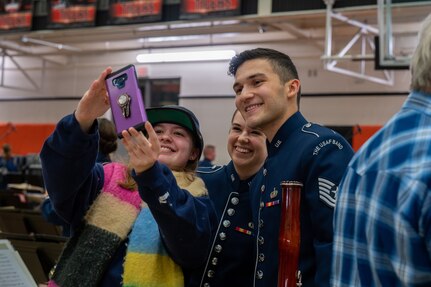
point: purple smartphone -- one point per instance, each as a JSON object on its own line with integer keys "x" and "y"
{"x": 127, "y": 104}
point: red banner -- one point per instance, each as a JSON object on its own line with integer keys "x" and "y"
{"x": 15, "y": 20}
{"x": 74, "y": 14}
{"x": 137, "y": 8}
{"x": 209, "y": 6}
{"x": 15, "y": 15}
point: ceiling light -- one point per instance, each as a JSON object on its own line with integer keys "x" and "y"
{"x": 190, "y": 25}
{"x": 215, "y": 55}
{"x": 152, "y": 28}
{"x": 176, "y": 38}
{"x": 226, "y": 22}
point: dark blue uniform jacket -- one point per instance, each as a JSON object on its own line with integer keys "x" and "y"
{"x": 231, "y": 261}
{"x": 317, "y": 157}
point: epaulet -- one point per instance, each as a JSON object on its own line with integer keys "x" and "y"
{"x": 209, "y": 169}
{"x": 312, "y": 129}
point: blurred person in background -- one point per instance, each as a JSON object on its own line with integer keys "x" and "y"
{"x": 209, "y": 155}
{"x": 7, "y": 165}
{"x": 7, "y": 160}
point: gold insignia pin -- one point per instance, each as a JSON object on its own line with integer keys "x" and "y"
{"x": 273, "y": 193}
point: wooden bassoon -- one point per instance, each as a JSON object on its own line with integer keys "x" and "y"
{"x": 289, "y": 237}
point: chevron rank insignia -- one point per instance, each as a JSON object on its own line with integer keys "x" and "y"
{"x": 327, "y": 192}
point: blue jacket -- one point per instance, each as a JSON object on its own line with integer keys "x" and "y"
{"x": 10, "y": 164}
{"x": 73, "y": 180}
{"x": 230, "y": 262}
{"x": 205, "y": 163}
{"x": 51, "y": 216}
{"x": 317, "y": 157}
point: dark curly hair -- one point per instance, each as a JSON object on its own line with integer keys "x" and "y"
{"x": 108, "y": 136}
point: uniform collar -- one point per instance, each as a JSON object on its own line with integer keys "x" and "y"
{"x": 238, "y": 184}
{"x": 233, "y": 176}
{"x": 296, "y": 121}
{"x": 419, "y": 101}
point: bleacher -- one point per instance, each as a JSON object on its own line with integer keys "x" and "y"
{"x": 38, "y": 242}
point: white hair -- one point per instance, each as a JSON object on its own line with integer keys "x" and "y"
{"x": 421, "y": 60}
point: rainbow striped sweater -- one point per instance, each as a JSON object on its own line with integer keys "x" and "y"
{"x": 116, "y": 214}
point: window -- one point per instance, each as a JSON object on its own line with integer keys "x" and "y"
{"x": 160, "y": 92}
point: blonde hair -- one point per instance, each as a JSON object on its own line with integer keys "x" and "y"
{"x": 128, "y": 183}
{"x": 421, "y": 60}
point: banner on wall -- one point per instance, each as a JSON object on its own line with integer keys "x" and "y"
{"x": 135, "y": 11}
{"x": 72, "y": 13}
{"x": 15, "y": 15}
{"x": 192, "y": 9}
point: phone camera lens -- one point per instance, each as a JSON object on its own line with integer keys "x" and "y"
{"x": 120, "y": 81}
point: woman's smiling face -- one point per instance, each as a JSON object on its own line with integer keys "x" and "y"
{"x": 246, "y": 146}
{"x": 176, "y": 145}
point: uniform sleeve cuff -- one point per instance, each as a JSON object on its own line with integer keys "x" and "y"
{"x": 152, "y": 182}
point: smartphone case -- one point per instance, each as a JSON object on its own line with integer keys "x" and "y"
{"x": 121, "y": 85}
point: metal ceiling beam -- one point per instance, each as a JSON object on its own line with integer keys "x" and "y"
{"x": 298, "y": 26}
{"x": 362, "y": 37}
{"x": 19, "y": 68}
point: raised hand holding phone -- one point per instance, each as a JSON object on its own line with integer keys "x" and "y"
{"x": 94, "y": 103}
{"x": 127, "y": 104}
